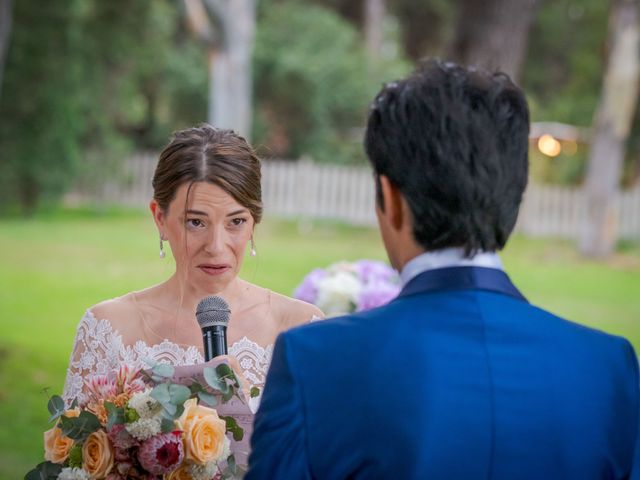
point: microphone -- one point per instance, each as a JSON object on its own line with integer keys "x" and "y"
{"x": 212, "y": 314}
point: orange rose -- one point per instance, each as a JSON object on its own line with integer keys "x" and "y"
{"x": 97, "y": 455}
{"x": 57, "y": 446}
{"x": 204, "y": 437}
{"x": 181, "y": 473}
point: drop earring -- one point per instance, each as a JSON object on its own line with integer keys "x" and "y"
{"x": 253, "y": 252}
{"x": 162, "y": 253}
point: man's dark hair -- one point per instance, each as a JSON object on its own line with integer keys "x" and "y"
{"x": 454, "y": 141}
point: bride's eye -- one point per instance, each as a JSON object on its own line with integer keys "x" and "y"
{"x": 236, "y": 222}
{"x": 194, "y": 223}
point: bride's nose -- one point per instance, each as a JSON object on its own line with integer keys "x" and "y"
{"x": 215, "y": 241}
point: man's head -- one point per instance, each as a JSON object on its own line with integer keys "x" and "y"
{"x": 449, "y": 148}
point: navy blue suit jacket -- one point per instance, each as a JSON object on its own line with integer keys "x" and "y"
{"x": 458, "y": 378}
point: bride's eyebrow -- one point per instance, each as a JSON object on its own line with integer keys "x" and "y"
{"x": 237, "y": 212}
{"x": 196, "y": 212}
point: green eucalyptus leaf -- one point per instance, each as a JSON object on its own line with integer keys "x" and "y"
{"x": 167, "y": 425}
{"x": 232, "y": 465}
{"x": 56, "y": 407}
{"x": 233, "y": 427}
{"x": 161, "y": 394}
{"x": 228, "y": 395}
{"x": 207, "y": 399}
{"x": 116, "y": 415}
{"x": 254, "y": 392}
{"x": 223, "y": 370}
{"x": 163, "y": 370}
{"x": 80, "y": 427}
{"x": 178, "y": 394}
{"x": 178, "y": 412}
{"x": 196, "y": 388}
{"x": 171, "y": 409}
{"x": 44, "y": 471}
{"x": 212, "y": 379}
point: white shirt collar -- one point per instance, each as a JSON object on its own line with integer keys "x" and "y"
{"x": 447, "y": 257}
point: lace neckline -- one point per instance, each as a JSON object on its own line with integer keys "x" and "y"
{"x": 99, "y": 348}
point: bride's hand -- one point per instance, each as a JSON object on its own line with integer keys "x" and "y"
{"x": 186, "y": 374}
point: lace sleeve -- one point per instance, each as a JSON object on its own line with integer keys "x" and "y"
{"x": 92, "y": 354}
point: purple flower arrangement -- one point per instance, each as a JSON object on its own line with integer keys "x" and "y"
{"x": 346, "y": 287}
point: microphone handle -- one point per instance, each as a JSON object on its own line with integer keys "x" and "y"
{"x": 215, "y": 342}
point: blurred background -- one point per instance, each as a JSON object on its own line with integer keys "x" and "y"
{"x": 91, "y": 90}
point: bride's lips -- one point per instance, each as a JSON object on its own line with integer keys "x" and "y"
{"x": 214, "y": 269}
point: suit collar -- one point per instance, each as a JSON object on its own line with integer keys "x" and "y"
{"x": 462, "y": 278}
{"x": 445, "y": 258}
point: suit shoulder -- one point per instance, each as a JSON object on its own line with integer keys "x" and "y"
{"x": 591, "y": 339}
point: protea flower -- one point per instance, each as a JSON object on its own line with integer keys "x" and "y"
{"x": 162, "y": 453}
{"x": 101, "y": 387}
{"x": 128, "y": 380}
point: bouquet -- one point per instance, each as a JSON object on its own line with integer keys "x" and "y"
{"x": 349, "y": 287}
{"x": 138, "y": 424}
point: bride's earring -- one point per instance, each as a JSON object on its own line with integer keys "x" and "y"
{"x": 162, "y": 253}
{"x": 253, "y": 252}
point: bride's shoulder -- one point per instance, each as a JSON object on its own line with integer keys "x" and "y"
{"x": 117, "y": 311}
{"x": 292, "y": 312}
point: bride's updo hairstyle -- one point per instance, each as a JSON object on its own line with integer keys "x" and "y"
{"x": 208, "y": 154}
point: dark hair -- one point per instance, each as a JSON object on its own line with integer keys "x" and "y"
{"x": 208, "y": 154}
{"x": 454, "y": 141}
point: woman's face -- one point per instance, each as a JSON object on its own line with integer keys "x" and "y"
{"x": 208, "y": 238}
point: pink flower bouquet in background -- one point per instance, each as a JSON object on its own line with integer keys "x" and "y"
{"x": 138, "y": 424}
{"x": 346, "y": 287}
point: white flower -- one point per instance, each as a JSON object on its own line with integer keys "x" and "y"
{"x": 226, "y": 449}
{"x": 146, "y": 406}
{"x": 73, "y": 474}
{"x": 144, "y": 428}
{"x": 203, "y": 472}
{"x": 338, "y": 293}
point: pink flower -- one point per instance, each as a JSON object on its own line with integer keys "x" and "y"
{"x": 162, "y": 453}
{"x": 101, "y": 387}
{"x": 120, "y": 438}
{"x": 128, "y": 380}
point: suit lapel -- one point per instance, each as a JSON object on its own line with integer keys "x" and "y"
{"x": 462, "y": 278}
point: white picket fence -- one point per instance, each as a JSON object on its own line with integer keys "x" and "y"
{"x": 305, "y": 190}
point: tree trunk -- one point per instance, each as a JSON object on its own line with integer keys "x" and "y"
{"x": 374, "y": 11}
{"x": 230, "y": 89}
{"x": 5, "y": 32}
{"x": 612, "y": 123}
{"x": 493, "y": 34}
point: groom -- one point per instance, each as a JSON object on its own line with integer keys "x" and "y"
{"x": 460, "y": 377}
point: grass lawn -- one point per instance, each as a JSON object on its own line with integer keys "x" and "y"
{"x": 55, "y": 266}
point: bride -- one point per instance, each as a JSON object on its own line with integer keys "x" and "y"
{"x": 206, "y": 203}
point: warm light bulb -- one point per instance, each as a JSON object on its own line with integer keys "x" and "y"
{"x": 549, "y": 145}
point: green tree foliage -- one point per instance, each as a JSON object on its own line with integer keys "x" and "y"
{"x": 563, "y": 71}
{"x": 563, "y": 76}
{"x": 40, "y": 120}
{"x": 313, "y": 83}
{"x": 86, "y": 83}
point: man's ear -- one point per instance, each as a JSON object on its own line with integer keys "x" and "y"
{"x": 158, "y": 216}
{"x": 393, "y": 203}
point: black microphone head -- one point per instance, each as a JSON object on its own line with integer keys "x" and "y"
{"x": 213, "y": 311}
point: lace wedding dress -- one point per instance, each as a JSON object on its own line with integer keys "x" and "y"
{"x": 99, "y": 349}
